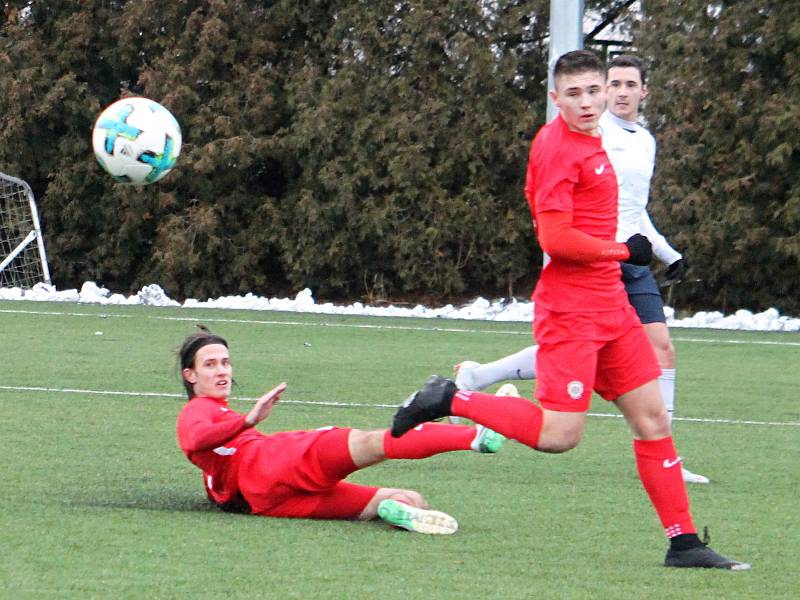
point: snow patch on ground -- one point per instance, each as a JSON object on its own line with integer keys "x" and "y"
{"x": 479, "y": 309}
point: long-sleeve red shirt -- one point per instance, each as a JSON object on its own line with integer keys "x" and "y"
{"x": 572, "y": 192}
{"x": 212, "y": 436}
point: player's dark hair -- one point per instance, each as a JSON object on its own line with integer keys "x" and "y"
{"x": 188, "y": 351}
{"x": 578, "y": 61}
{"x": 628, "y": 60}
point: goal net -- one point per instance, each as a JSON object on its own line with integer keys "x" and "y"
{"x": 23, "y": 261}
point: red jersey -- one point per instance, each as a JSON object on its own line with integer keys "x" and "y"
{"x": 212, "y": 436}
{"x": 569, "y": 172}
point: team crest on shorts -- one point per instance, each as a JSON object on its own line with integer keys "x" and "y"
{"x": 575, "y": 389}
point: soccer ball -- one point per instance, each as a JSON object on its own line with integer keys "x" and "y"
{"x": 136, "y": 140}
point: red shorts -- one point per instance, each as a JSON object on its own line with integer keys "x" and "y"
{"x": 300, "y": 473}
{"x": 608, "y": 352}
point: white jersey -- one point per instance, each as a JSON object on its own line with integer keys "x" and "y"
{"x": 632, "y": 152}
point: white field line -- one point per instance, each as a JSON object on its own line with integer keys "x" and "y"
{"x": 387, "y": 327}
{"x": 347, "y": 325}
{"x": 270, "y": 322}
{"x": 63, "y": 314}
{"x": 15, "y": 388}
{"x": 746, "y": 342}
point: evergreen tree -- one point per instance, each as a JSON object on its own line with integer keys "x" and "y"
{"x": 355, "y": 147}
{"x": 205, "y": 228}
{"x": 725, "y": 85}
{"x": 411, "y": 138}
{"x": 378, "y": 149}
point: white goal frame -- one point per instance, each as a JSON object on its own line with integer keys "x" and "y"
{"x": 22, "y": 263}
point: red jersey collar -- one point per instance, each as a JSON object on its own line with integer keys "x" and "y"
{"x": 215, "y": 400}
{"x": 583, "y": 138}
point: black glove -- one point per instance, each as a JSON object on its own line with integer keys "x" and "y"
{"x": 641, "y": 252}
{"x": 677, "y": 269}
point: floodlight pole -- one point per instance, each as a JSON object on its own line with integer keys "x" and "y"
{"x": 566, "y": 33}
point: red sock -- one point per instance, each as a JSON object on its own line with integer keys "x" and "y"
{"x": 428, "y": 439}
{"x": 516, "y": 418}
{"x": 660, "y": 471}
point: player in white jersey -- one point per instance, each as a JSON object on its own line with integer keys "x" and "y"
{"x": 632, "y": 151}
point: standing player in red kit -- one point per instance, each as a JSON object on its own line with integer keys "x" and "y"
{"x": 589, "y": 336}
{"x": 301, "y": 473}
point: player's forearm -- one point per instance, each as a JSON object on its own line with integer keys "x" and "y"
{"x": 661, "y": 247}
{"x": 207, "y": 436}
{"x": 560, "y": 240}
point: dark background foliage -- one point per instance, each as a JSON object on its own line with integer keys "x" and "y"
{"x": 376, "y": 150}
{"x": 726, "y": 81}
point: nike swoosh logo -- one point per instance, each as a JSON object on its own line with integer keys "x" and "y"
{"x": 599, "y": 170}
{"x": 671, "y": 463}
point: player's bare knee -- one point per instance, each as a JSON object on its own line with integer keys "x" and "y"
{"x": 661, "y": 426}
{"x": 664, "y": 350}
{"x": 666, "y": 356}
{"x": 560, "y": 432}
{"x": 557, "y": 446}
{"x": 366, "y": 447}
{"x": 559, "y": 442}
{"x": 652, "y": 425}
{"x": 356, "y": 440}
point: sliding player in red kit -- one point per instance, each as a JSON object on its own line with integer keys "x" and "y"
{"x": 301, "y": 473}
{"x": 589, "y": 336}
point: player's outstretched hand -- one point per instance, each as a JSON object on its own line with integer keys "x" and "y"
{"x": 264, "y": 405}
{"x": 677, "y": 269}
{"x": 640, "y": 249}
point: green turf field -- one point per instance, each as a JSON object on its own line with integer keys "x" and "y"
{"x": 98, "y": 502}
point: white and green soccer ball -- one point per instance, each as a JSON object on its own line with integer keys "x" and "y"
{"x": 136, "y": 140}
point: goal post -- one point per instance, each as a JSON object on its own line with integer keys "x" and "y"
{"x": 23, "y": 260}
